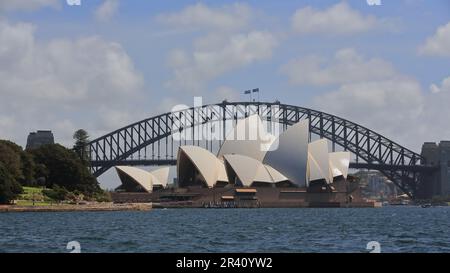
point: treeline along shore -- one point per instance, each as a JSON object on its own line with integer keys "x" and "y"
{"x": 51, "y": 177}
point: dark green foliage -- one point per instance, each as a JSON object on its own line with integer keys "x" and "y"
{"x": 19, "y": 163}
{"x": 9, "y": 188}
{"x": 57, "y": 193}
{"x": 10, "y": 157}
{"x": 40, "y": 174}
{"x": 28, "y": 169}
{"x": 102, "y": 197}
{"x": 65, "y": 169}
{"x": 81, "y": 138}
{"x": 52, "y": 166}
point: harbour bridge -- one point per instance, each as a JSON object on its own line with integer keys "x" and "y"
{"x": 155, "y": 140}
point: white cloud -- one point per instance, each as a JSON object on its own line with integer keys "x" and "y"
{"x": 199, "y": 16}
{"x": 226, "y": 43}
{"x": 111, "y": 118}
{"x": 439, "y": 43}
{"x": 437, "y": 112}
{"x": 64, "y": 129}
{"x": 63, "y": 70}
{"x": 396, "y": 108}
{"x": 393, "y": 108}
{"x": 373, "y": 94}
{"x": 347, "y": 66}
{"x": 107, "y": 10}
{"x": 47, "y": 83}
{"x": 6, "y": 125}
{"x": 166, "y": 105}
{"x": 445, "y": 86}
{"x": 226, "y": 93}
{"x": 217, "y": 54}
{"x": 27, "y": 5}
{"x": 337, "y": 19}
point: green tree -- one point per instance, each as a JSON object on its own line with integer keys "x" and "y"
{"x": 57, "y": 193}
{"x": 104, "y": 196}
{"x": 28, "y": 169}
{"x": 10, "y": 157}
{"x": 81, "y": 138}
{"x": 9, "y": 188}
{"x": 19, "y": 163}
{"x": 41, "y": 173}
{"x": 65, "y": 169}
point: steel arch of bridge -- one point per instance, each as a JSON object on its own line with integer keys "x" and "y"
{"x": 152, "y": 137}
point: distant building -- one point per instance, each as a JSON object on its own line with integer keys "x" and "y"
{"x": 41, "y": 137}
{"x": 437, "y": 155}
{"x": 375, "y": 185}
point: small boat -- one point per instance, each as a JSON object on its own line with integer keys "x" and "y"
{"x": 399, "y": 203}
{"x": 427, "y": 205}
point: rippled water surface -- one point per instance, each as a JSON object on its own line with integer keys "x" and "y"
{"x": 397, "y": 229}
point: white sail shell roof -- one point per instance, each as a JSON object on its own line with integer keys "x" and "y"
{"x": 339, "y": 163}
{"x": 250, "y": 170}
{"x": 208, "y": 165}
{"x": 319, "y": 163}
{"x": 246, "y": 168}
{"x": 247, "y": 138}
{"x": 314, "y": 171}
{"x": 221, "y": 171}
{"x": 275, "y": 175}
{"x": 143, "y": 178}
{"x": 262, "y": 175}
{"x": 290, "y": 157}
{"x": 161, "y": 176}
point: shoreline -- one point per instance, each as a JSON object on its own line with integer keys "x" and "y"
{"x": 304, "y": 205}
{"x": 76, "y": 208}
{"x": 174, "y": 205}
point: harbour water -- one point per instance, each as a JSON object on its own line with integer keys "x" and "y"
{"x": 396, "y": 229}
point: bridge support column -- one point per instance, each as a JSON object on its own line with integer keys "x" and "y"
{"x": 436, "y": 183}
{"x": 445, "y": 167}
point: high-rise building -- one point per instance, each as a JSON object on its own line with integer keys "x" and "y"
{"x": 41, "y": 137}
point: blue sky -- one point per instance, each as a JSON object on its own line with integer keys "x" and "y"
{"x": 106, "y": 63}
{"x": 134, "y": 27}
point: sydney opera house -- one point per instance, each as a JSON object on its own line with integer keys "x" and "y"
{"x": 252, "y": 168}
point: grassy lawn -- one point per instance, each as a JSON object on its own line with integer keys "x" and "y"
{"x": 30, "y": 203}
{"x": 30, "y": 190}
{"x": 30, "y": 193}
